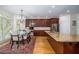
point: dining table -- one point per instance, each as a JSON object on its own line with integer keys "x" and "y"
{"x": 21, "y": 34}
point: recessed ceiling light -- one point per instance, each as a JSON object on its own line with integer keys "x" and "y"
{"x": 50, "y": 11}
{"x": 68, "y": 11}
{"x": 53, "y": 6}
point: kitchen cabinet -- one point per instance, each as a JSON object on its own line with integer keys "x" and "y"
{"x": 39, "y": 33}
{"x": 42, "y": 22}
{"x": 61, "y": 46}
{"x": 57, "y": 46}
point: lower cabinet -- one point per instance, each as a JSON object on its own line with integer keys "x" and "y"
{"x": 39, "y": 33}
{"x": 71, "y": 48}
{"x": 57, "y": 46}
{"x": 60, "y": 47}
{"x": 64, "y": 47}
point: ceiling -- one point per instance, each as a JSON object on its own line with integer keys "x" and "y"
{"x": 41, "y": 11}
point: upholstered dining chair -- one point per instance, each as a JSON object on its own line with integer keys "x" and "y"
{"x": 27, "y": 37}
{"x": 15, "y": 38}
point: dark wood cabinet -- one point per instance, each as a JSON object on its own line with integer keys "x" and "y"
{"x": 64, "y": 47}
{"x": 57, "y": 46}
{"x": 71, "y": 47}
{"x": 42, "y": 22}
{"x": 39, "y": 33}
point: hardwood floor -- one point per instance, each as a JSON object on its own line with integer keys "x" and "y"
{"x": 42, "y": 46}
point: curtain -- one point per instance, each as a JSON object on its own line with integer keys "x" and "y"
{"x": 4, "y": 28}
{"x": 0, "y": 28}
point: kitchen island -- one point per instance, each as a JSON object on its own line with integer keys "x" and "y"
{"x": 63, "y": 44}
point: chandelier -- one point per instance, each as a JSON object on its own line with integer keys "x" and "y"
{"x": 21, "y": 16}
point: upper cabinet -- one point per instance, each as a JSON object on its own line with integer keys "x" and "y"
{"x": 42, "y": 22}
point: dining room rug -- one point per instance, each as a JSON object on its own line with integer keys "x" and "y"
{"x": 23, "y": 49}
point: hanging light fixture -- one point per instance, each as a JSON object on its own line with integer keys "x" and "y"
{"x": 21, "y": 20}
{"x": 21, "y": 13}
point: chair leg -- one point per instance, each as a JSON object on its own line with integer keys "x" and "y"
{"x": 18, "y": 45}
{"x": 10, "y": 41}
{"x": 12, "y": 44}
{"x": 28, "y": 39}
{"x": 23, "y": 41}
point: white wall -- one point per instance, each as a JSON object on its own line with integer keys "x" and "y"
{"x": 64, "y": 22}
{"x": 77, "y": 24}
{"x": 73, "y": 29}
{"x": 5, "y": 13}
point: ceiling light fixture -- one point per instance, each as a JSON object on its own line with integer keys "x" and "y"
{"x": 50, "y": 11}
{"x": 68, "y": 11}
{"x": 21, "y": 14}
{"x": 53, "y": 6}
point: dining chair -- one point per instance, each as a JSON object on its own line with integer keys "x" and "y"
{"x": 15, "y": 39}
{"x": 27, "y": 37}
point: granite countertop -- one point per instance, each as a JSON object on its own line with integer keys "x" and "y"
{"x": 42, "y": 28}
{"x": 63, "y": 38}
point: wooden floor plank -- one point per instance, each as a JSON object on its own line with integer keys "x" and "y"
{"x": 42, "y": 46}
